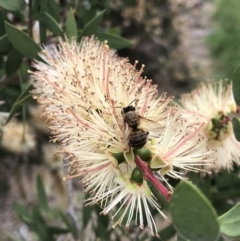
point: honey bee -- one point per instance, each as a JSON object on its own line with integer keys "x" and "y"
{"x": 137, "y": 137}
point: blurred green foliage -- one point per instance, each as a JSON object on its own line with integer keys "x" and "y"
{"x": 225, "y": 38}
{"x": 40, "y": 218}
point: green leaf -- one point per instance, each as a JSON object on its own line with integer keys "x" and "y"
{"x": 71, "y": 25}
{"x": 43, "y": 34}
{"x": 236, "y": 127}
{"x": 35, "y": 7}
{"x": 224, "y": 181}
{"x": 4, "y": 44}
{"x": 100, "y": 230}
{"x": 145, "y": 237}
{"x": 43, "y": 5}
{"x": 25, "y": 99}
{"x": 204, "y": 184}
{"x": 57, "y": 230}
{"x": 114, "y": 41}
{"x": 103, "y": 224}
{"x": 230, "y": 222}
{"x": 37, "y": 216}
{"x": 43, "y": 232}
{"x": 227, "y": 181}
{"x": 54, "y": 10}
{"x": 84, "y": 16}
{"x": 181, "y": 238}
{"x": 87, "y": 212}
{"x": 14, "y": 61}
{"x": 166, "y": 233}
{"x": 22, "y": 42}
{"x": 13, "y": 5}
{"x": 49, "y": 22}
{"x": 92, "y": 25}
{"x": 49, "y": 6}
{"x": 123, "y": 214}
{"x": 236, "y": 85}
{"x": 2, "y": 19}
{"x": 23, "y": 212}
{"x": 218, "y": 196}
{"x": 13, "y": 238}
{"x": 193, "y": 216}
{"x": 161, "y": 200}
{"x": 42, "y": 197}
{"x": 70, "y": 226}
{"x": 18, "y": 102}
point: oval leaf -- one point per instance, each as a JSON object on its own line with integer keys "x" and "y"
{"x": 70, "y": 226}
{"x": 22, "y": 42}
{"x": 18, "y": 102}
{"x": 49, "y": 22}
{"x": 167, "y": 232}
{"x": 193, "y": 216}
{"x": 13, "y": 5}
{"x": 4, "y": 44}
{"x": 71, "y": 25}
{"x": 236, "y": 128}
{"x": 114, "y": 41}
{"x": 23, "y": 212}
{"x": 54, "y": 9}
{"x": 14, "y": 61}
{"x": 37, "y": 216}
{"x": 2, "y": 19}
{"x": 92, "y": 26}
{"x": 236, "y": 85}
{"x": 230, "y": 222}
{"x": 42, "y": 196}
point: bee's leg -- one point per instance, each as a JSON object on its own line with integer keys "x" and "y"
{"x": 125, "y": 135}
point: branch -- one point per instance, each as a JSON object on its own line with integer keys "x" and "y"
{"x": 148, "y": 175}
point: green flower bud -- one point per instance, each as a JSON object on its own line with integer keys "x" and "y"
{"x": 137, "y": 176}
{"x": 119, "y": 156}
{"x": 145, "y": 154}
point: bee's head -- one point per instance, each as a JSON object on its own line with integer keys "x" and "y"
{"x": 128, "y": 109}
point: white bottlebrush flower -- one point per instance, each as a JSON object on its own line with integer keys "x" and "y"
{"x": 213, "y": 103}
{"x": 82, "y": 89}
{"x": 180, "y": 148}
{"x": 18, "y": 137}
{"x": 132, "y": 200}
{"x": 36, "y": 121}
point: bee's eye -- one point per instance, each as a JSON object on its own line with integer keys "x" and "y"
{"x": 124, "y": 110}
{"x": 127, "y": 109}
{"x": 131, "y": 108}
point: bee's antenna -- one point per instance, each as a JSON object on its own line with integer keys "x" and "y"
{"x": 132, "y": 102}
{"x": 127, "y": 105}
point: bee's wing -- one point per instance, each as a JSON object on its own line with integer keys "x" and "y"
{"x": 126, "y": 133}
{"x": 153, "y": 127}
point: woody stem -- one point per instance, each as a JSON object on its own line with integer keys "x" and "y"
{"x": 148, "y": 175}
